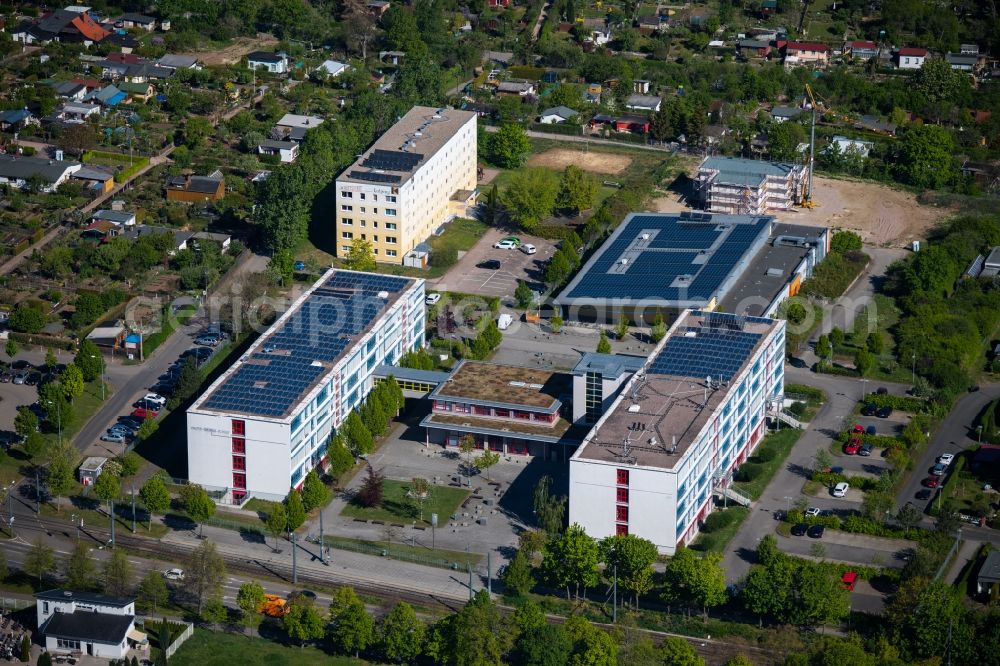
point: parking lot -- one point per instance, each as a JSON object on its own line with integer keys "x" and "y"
{"x": 467, "y": 277}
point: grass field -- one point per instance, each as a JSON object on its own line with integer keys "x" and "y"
{"x": 404, "y": 551}
{"x": 770, "y": 456}
{"x": 724, "y": 529}
{"x": 207, "y": 648}
{"x": 397, "y": 507}
{"x": 85, "y": 406}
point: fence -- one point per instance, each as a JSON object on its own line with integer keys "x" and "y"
{"x": 178, "y": 639}
{"x": 15, "y": 604}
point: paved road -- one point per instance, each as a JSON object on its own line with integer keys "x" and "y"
{"x": 954, "y": 435}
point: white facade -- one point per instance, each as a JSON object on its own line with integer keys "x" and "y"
{"x": 279, "y": 452}
{"x": 664, "y": 503}
{"x": 911, "y": 58}
{"x": 84, "y": 610}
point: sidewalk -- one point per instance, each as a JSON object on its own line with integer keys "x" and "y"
{"x": 965, "y": 555}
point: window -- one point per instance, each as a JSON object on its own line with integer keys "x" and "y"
{"x": 375, "y": 239}
{"x": 346, "y": 234}
{"x": 239, "y": 480}
{"x": 374, "y": 197}
{"x": 347, "y": 195}
{"x": 363, "y": 209}
{"x": 375, "y": 211}
{"x": 239, "y": 462}
{"x": 239, "y": 445}
{"x": 391, "y": 226}
{"x": 390, "y": 239}
{"x": 345, "y": 248}
{"x": 502, "y": 413}
{"x": 239, "y": 427}
{"x": 622, "y": 497}
{"x": 390, "y": 253}
{"x": 347, "y": 221}
{"x": 623, "y": 477}
{"x": 391, "y": 212}
{"x": 362, "y": 196}
{"x": 363, "y": 225}
{"x": 363, "y": 236}
{"x": 621, "y": 514}
{"x": 346, "y": 207}
{"x": 67, "y": 644}
{"x": 621, "y": 530}
{"x": 519, "y": 414}
{"x": 45, "y": 608}
{"x": 390, "y": 199}
{"x": 480, "y": 410}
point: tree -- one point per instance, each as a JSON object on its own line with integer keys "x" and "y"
{"x": 119, "y": 575}
{"x": 837, "y": 337}
{"x": 281, "y": 267}
{"x": 479, "y": 635}
{"x": 823, "y": 348}
{"x": 591, "y": 646}
{"x": 314, "y": 493}
{"x": 549, "y": 509}
{"x": 60, "y": 478}
{"x": 25, "y": 648}
{"x": 874, "y": 343}
{"x": 740, "y": 660}
{"x": 603, "y": 344}
{"x": 339, "y": 459}
{"x": 466, "y": 446}
{"x": 658, "y": 330}
{"x": 277, "y": 522}
{"x": 630, "y": 559}
{"x": 678, "y": 652}
{"x": 295, "y": 509}
{"x": 696, "y": 580}
{"x": 571, "y": 559}
{"x": 577, "y": 189}
{"x": 371, "y": 490}
{"x": 50, "y": 360}
{"x": 660, "y": 127}
{"x": 909, "y": 516}
{"x": 44, "y": 659}
{"x": 155, "y": 497}
{"x": 621, "y": 328}
{"x": 558, "y": 269}
{"x": 876, "y": 505}
{"x": 206, "y": 571}
{"x": 544, "y": 645}
{"x": 361, "y": 256}
{"x": 925, "y": 157}
{"x": 509, "y": 146}
{"x": 11, "y": 347}
{"x": 214, "y": 612}
{"x": 352, "y": 627}
{"x": 25, "y": 423}
{"x": 783, "y": 140}
{"x": 129, "y": 464}
{"x": 487, "y": 459}
{"x": 530, "y": 196}
{"x": 517, "y": 577}
{"x": 523, "y": 294}
{"x": 27, "y": 319}
{"x": 401, "y": 634}
{"x": 153, "y": 590}
{"x": 89, "y": 360}
{"x": 845, "y": 241}
{"x": 108, "y": 487}
{"x": 864, "y": 362}
{"x": 80, "y": 572}
{"x": 250, "y": 598}
{"x": 556, "y": 323}
{"x": 359, "y": 439}
{"x": 198, "y": 505}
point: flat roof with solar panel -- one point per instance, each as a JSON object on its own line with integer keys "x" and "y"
{"x": 678, "y": 260}
{"x": 304, "y": 345}
{"x": 688, "y": 376}
{"x": 400, "y": 152}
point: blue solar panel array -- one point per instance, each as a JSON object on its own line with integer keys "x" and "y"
{"x": 651, "y": 273}
{"x": 276, "y": 375}
{"x": 718, "y": 349}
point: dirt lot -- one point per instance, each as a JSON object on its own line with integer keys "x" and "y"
{"x": 232, "y": 54}
{"x": 882, "y": 215}
{"x": 598, "y": 162}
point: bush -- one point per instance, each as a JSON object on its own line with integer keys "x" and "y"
{"x": 748, "y": 472}
{"x": 903, "y": 403}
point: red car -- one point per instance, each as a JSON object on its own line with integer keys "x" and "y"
{"x": 859, "y": 428}
{"x": 848, "y": 580}
{"x": 852, "y": 447}
{"x": 143, "y": 413}
{"x": 932, "y": 481}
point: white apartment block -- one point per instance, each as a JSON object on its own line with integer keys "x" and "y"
{"x": 265, "y": 423}
{"x": 420, "y": 174}
{"x": 678, "y": 430}
{"x": 740, "y": 186}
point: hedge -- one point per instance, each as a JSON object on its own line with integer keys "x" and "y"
{"x": 42, "y": 340}
{"x": 903, "y": 403}
{"x": 807, "y": 392}
{"x": 881, "y": 441}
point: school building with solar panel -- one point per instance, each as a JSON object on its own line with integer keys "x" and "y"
{"x": 664, "y": 263}
{"x": 265, "y": 423}
{"x": 416, "y": 177}
{"x": 679, "y": 428}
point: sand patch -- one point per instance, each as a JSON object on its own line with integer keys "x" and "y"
{"x": 597, "y": 162}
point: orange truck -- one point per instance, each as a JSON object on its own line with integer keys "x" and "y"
{"x": 273, "y": 606}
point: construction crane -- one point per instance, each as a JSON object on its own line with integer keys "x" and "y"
{"x": 808, "y": 202}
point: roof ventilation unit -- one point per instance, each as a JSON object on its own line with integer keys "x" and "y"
{"x": 633, "y": 409}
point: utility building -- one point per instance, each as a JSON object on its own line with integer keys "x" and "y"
{"x": 679, "y": 429}
{"x": 420, "y": 174}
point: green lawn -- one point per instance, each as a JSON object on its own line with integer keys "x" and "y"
{"x": 769, "y": 457}
{"x": 398, "y": 550}
{"x": 84, "y": 407}
{"x": 398, "y": 508}
{"x": 208, "y": 648}
{"x": 718, "y": 532}
{"x": 92, "y": 517}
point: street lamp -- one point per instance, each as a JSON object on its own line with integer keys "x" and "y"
{"x": 979, "y": 431}
{"x": 10, "y": 506}
{"x": 76, "y": 524}
{"x": 913, "y": 370}
{"x": 102, "y": 374}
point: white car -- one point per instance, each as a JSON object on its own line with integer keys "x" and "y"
{"x": 505, "y": 245}
{"x": 432, "y": 299}
{"x": 115, "y": 436}
{"x": 155, "y": 398}
{"x": 812, "y": 511}
{"x": 946, "y": 458}
{"x": 528, "y": 248}
{"x": 840, "y": 490}
{"x": 174, "y": 574}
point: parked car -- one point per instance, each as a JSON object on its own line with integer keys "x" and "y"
{"x": 852, "y": 447}
{"x": 869, "y": 410}
{"x": 871, "y": 430}
{"x": 882, "y": 391}
{"x": 34, "y": 378}
{"x": 21, "y": 377}
{"x": 300, "y": 265}
{"x": 513, "y": 239}
{"x": 939, "y": 469}
{"x": 5, "y": 377}
{"x": 528, "y": 248}
{"x": 923, "y": 494}
{"x": 143, "y": 413}
{"x": 432, "y": 299}
{"x": 130, "y": 421}
{"x": 800, "y": 529}
{"x": 858, "y": 428}
{"x": 932, "y": 481}
{"x": 865, "y": 450}
{"x": 840, "y": 490}
{"x": 946, "y": 458}
{"x": 813, "y": 511}
{"x": 884, "y": 412}
{"x": 114, "y": 436}
{"x": 816, "y": 531}
{"x": 207, "y": 340}
{"x": 489, "y": 264}
{"x": 174, "y": 574}
{"x": 973, "y": 388}
{"x": 848, "y": 580}
{"x": 155, "y": 398}
{"x": 796, "y": 362}
{"x": 142, "y": 403}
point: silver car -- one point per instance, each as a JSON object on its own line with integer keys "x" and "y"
{"x": 21, "y": 377}
{"x": 113, "y": 436}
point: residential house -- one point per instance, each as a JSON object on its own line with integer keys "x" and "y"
{"x": 119, "y": 218}
{"x": 191, "y": 189}
{"x": 806, "y": 53}
{"x": 287, "y": 151}
{"x": 96, "y": 180}
{"x": 18, "y": 171}
{"x": 77, "y": 112}
{"x": 845, "y": 146}
{"x": 180, "y": 237}
{"x": 861, "y": 49}
{"x": 988, "y": 579}
{"x": 138, "y": 21}
{"x": 499, "y": 4}
{"x": 16, "y": 120}
{"x": 593, "y": 93}
{"x": 648, "y": 24}
{"x": 650, "y": 103}
{"x": 392, "y": 57}
{"x": 780, "y": 114}
{"x": 69, "y": 90}
{"x": 99, "y": 231}
{"x": 556, "y": 115}
{"x": 766, "y": 34}
{"x": 111, "y": 335}
{"x": 61, "y": 25}
{"x": 332, "y": 68}
{"x": 964, "y": 62}
{"x": 753, "y": 48}
{"x": 625, "y": 123}
{"x": 968, "y": 49}
{"x": 600, "y": 37}
{"x": 768, "y": 8}
{"x": 77, "y": 623}
{"x": 275, "y": 63}
{"x": 911, "y": 57}
{"x": 116, "y": 65}
{"x": 107, "y": 96}
{"x": 502, "y": 58}
{"x": 138, "y": 92}
{"x": 292, "y": 127}
{"x": 124, "y": 41}
{"x": 873, "y": 124}
{"x": 713, "y": 135}
{"x": 89, "y": 84}
{"x": 378, "y": 7}
{"x": 222, "y": 239}
{"x": 175, "y": 62}
{"x": 519, "y": 88}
